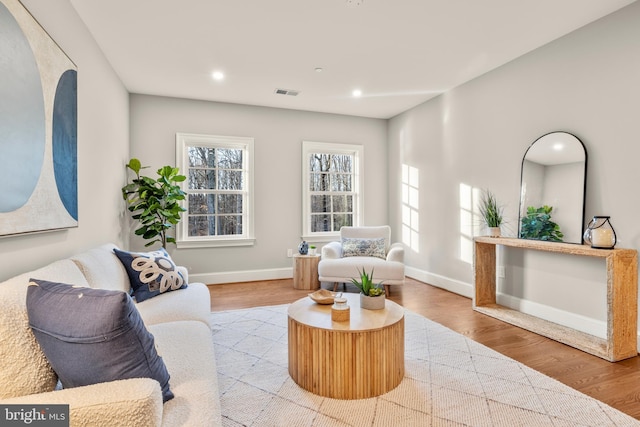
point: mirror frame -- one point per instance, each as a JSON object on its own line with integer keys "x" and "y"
{"x": 584, "y": 185}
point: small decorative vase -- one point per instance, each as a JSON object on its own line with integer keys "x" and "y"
{"x": 372, "y": 303}
{"x": 494, "y": 231}
{"x": 303, "y": 248}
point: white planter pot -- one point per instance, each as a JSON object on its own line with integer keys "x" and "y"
{"x": 372, "y": 303}
{"x": 494, "y": 231}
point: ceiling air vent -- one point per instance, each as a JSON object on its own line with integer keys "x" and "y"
{"x": 287, "y": 92}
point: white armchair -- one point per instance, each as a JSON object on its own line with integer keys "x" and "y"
{"x": 363, "y": 247}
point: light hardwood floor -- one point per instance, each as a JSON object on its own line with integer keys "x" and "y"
{"x": 616, "y": 384}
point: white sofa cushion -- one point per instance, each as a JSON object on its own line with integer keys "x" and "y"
{"x": 337, "y": 270}
{"x": 24, "y": 368}
{"x": 191, "y": 303}
{"x": 124, "y": 403}
{"x": 103, "y": 269}
{"x": 187, "y": 350}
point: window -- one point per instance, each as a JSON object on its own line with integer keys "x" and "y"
{"x": 332, "y": 193}
{"x": 411, "y": 207}
{"x": 219, "y": 171}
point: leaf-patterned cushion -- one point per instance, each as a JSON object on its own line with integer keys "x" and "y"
{"x": 363, "y": 247}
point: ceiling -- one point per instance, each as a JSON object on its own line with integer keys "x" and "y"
{"x": 399, "y": 53}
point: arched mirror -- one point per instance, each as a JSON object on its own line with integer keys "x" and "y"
{"x": 552, "y": 189}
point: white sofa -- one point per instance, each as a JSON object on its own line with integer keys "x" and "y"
{"x": 336, "y": 266}
{"x": 178, "y": 320}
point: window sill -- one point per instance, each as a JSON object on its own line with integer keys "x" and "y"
{"x": 221, "y": 243}
{"x": 322, "y": 238}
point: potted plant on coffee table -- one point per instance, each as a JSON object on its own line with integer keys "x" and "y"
{"x": 371, "y": 295}
{"x": 491, "y": 213}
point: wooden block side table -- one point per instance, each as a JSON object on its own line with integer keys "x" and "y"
{"x": 305, "y": 272}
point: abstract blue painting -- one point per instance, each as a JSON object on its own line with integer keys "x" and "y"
{"x": 38, "y": 127}
{"x": 65, "y": 159}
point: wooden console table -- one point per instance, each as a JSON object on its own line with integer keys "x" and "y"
{"x": 622, "y": 297}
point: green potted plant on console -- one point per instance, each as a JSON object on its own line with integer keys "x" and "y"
{"x": 491, "y": 213}
{"x": 371, "y": 295}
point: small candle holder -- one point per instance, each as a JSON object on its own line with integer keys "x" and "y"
{"x": 600, "y": 233}
{"x": 340, "y": 311}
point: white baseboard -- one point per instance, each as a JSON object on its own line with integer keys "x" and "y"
{"x": 451, "y": 285}
{"x": 575, "y": 321}
{"x": 242, "y": 276}
{"x": 588, "y": 325}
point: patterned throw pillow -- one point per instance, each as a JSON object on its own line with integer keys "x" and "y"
{"x": 150, "y": 273}
{"x": 363, "y": 247}
{"x": 92, "y": 335}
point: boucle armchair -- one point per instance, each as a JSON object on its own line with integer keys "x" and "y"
{"x": 363, "y": 247}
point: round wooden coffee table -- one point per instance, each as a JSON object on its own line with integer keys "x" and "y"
{"x": 357, "y": 359}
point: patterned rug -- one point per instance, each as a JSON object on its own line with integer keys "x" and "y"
{"x": 450, "y": 380}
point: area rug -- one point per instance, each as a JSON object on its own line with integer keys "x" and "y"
{"x": 450, "y": 380}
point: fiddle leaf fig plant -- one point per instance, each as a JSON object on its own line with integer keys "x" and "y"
{"x": 154, "y": 203}
{"x": 537, "y": 225}
{"x": 366, "y": 285}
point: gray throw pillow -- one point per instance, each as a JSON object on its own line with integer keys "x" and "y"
{"x": 92, "y": 335}
{"x": 363, "y": 247}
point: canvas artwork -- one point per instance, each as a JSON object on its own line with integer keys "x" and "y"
{"x": 38, "y": 127}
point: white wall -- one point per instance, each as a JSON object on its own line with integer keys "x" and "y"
{"x": 103, "y": 145}
{"x": 586, "y": 83}
{"x": 278, "y": 135}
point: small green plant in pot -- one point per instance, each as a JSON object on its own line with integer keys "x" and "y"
{"x": 491, "y": 212}
{"x": 155, "y": 203}
{"x": 371, "y": 294}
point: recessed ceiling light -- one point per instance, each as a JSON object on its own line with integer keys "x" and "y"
{"x": 318, "y": 69}
{"x": 357, "y": 93}
{"x": 217, "y": 75}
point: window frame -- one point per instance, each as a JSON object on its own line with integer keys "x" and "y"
{"x": 357, "y": 151}
{"x": 183, "y": 142}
